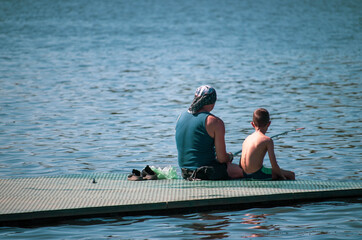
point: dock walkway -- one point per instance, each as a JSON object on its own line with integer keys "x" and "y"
{"x": 27, "y": 199}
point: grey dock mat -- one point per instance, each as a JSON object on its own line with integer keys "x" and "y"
{"x": 77, "y": 195}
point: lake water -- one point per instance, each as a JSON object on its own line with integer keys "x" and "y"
{"x": 97, "y": 86}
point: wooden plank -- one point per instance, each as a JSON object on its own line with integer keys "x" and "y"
{"x": 24, "y": 199}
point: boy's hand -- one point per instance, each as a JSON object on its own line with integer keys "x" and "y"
{"x": 283, "y": 177}
{"x": 279, "y": 174}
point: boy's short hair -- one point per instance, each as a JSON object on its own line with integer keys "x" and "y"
{"x": 261, "y": 117}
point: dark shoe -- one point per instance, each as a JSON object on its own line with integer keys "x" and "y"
{"x": 148, "y": 174}
{"x": 135, "y": 176}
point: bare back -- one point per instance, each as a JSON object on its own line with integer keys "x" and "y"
{"x": 254, "y": 148}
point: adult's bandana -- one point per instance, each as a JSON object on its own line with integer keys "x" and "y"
{"x": 204, "y": 95}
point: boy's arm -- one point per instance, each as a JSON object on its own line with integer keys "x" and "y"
{"x": 273, "y": 160}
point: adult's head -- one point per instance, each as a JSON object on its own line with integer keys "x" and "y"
{"x": 204, "y": 95}
{"x": 261, "y": 117}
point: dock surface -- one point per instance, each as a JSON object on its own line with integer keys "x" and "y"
{"x": 26, "y": 199}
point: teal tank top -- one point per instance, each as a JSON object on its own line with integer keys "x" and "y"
{"x": 195, "y": 147}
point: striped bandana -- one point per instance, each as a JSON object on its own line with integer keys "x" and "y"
{"x": 204, "y": 95}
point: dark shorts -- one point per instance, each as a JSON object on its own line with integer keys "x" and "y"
{"x": 217, "y": 171}
{"x": 263, "y": 173}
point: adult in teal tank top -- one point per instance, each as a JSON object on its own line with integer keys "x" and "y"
{"x": 195, "y": 146}
{"x": 200, "y": 138}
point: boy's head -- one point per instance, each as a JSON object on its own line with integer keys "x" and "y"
{"x": 261, "y": 117}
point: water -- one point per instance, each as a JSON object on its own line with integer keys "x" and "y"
{"x": 97, "y": 86}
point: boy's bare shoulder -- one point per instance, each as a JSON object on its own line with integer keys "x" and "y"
{"x": 262, "y": 136}
{"x": 262, "y": 139}
{"x": 268, "y": 142}
{"x": 268, "y": 139}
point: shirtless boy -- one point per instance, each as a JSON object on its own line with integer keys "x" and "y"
{"x": 255, "y": 147}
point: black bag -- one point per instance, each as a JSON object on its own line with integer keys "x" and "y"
{"x": 201, "y": 173}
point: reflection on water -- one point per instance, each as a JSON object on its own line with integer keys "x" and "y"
{"x": 258, "y": 222}
{"x": 255, "y": 220}
{"x": 210, "y": 226}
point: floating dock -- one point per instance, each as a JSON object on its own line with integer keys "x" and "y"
{"x": 75, "y": 196}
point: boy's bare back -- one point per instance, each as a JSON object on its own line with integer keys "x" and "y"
{"x": 254, "y": 148}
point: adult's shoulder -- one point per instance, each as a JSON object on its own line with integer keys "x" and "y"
{"x": 214, "y": 120}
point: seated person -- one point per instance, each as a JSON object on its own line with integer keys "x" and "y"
{"x": 255, "y": 147}
{"x": 200, "y": 140}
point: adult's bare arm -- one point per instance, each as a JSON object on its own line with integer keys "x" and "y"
{"x": 216, "y": 129}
